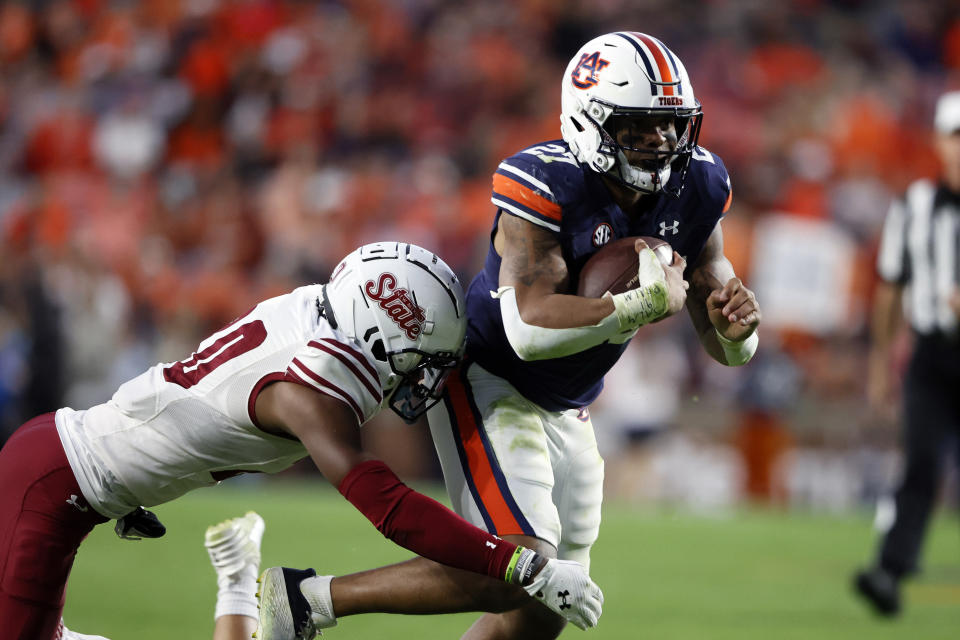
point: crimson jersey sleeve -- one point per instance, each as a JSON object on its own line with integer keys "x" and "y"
{"x": 340, "y": 370}
{"x": 423, "y": 525}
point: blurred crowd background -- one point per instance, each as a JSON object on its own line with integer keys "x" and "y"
{"x": 164, "y": 164}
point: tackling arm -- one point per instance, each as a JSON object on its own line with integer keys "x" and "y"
{"x": 724, "y": 312}
{"x": 329, "y": 431}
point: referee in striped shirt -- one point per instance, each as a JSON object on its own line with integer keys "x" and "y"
{"x": 919, "y": 266}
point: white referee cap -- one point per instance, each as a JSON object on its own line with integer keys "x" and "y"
{"x": 947, "y": 118}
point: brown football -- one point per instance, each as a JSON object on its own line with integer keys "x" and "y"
{"x": 614, "y": 267}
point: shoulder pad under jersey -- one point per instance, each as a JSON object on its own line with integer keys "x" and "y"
{"x": 535, "y": 183}
{"x": 708, "y": 175}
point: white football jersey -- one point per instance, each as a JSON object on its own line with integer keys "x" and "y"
{"x": 188, "y": 424}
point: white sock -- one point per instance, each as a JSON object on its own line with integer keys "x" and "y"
{"x": 317, "y": 592}
{"x": 236, "y": 593}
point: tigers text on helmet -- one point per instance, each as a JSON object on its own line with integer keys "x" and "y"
{"x": 406, "y": 308}
{"x": 630, "y": 83}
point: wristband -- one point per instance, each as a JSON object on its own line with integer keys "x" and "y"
{"x": 521, "y": 566}
{"x": 738, "y": 352}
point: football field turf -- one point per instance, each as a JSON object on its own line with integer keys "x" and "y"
{"x": 665, "y": 574}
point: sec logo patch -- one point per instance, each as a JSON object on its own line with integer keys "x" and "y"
{"x": 602, "y": 234}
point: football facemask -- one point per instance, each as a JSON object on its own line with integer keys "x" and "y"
{"x": 420, "y": 388}
{"x": 406, "y": 309}
{"x": 648, "y": 146}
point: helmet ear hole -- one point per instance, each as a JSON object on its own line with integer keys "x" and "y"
{"x": 577, "y": 125}
{"x": 378, "y": 350}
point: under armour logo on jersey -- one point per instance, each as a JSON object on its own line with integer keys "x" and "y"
{"x": 73, "y": 501}
{"x": 490, "y": 544}
{"x": 591, "y": 63}
{"x": 397, "y": 303}
{"x": 675, "y": 228}
{"x": 563, "y": 595}
{"x": 602, "y": 234}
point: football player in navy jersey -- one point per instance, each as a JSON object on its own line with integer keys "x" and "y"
{"x": 513, "y": 432}
{"x": 514, "y": 435}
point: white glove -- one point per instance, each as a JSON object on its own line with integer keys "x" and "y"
{"x": 565, "y": 587}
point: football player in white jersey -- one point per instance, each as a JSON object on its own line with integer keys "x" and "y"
{"x": 295, "y": 376}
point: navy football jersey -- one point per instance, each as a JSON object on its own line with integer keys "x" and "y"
{"x": 544, "y": 184}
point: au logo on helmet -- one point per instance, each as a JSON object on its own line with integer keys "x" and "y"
{"x": 591, "y": 63}
{"x": 397, "y": 304}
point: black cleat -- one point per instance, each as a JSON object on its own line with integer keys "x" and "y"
{"x": 880, "y": 589}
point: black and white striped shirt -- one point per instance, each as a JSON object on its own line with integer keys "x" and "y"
{"x": 919, "y": 249}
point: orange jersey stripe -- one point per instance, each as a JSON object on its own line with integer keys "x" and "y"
{"x": 661, "y": 61}
{"x": 478, "y": 464}
{"x": 726, "y": 205}
{"x": 516, "y": 191}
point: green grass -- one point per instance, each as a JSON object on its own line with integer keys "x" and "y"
{"x": 665, "y": 575}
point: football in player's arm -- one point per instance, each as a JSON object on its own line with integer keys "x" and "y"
{"x": 542, "y": 321}
{"x": 297, "y": 375}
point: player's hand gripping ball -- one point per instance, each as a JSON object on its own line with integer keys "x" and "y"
{"x": 614, "y": 267}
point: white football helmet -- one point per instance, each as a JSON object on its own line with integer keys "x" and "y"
{"x": 406, "y": 308}
{"x": 625, "y": 78}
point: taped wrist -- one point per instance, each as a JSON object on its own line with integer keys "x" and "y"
{"x": 422, "y": 525}
{"x": 648, "y": 302}
{"x": 738, "y": 352}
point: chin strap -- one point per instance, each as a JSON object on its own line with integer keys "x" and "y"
{"x": 633, "y": 176}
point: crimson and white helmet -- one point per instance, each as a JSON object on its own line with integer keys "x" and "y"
{"x": 406, "y": 308}
{"x": 629, "y": 75}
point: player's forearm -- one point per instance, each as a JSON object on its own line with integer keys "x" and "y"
{"x": 727, "y": 352}
{"x": 561, "y": 311}
{"x": 534, "y": 342}
{"x": 710, "y": 343}
{"x": 537, "y": 329}
{"x": 706, "y": 332}
{"x": 422, "y": 525}
{"x": 631, "y": 310}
